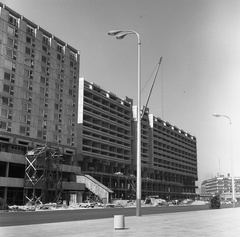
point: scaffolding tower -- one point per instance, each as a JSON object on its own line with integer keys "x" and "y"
{"x": 43, "y": 175}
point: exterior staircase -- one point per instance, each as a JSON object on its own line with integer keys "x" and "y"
{"x": 95, "y": 186}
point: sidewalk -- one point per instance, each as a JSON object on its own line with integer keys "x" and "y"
{"x": 214, "y": 223}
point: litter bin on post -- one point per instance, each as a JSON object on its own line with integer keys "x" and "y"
{"x": 119, "y": 223}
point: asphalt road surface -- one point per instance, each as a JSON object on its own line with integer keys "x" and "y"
{"x": 53, "y": 216}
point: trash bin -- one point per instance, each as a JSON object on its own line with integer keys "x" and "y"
{"x": 119, "y": 222}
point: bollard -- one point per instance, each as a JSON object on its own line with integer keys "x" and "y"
{"x": 119, "y": 222}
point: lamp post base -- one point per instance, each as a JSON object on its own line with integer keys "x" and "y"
{"x": 138, "y": 207}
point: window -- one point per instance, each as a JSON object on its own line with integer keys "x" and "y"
{"x": 9, "y": 65}
{"x": 30, "y": 41}
{"x": 10, "y": 42}
{"x": 9, "y": 89}
{"x": 5, "y": 100}
{"x": 44, "y": 80}
{"x": 73, "y": 56}
{"x": 70, "y": 111}
{"x": 29, "y": 62}
{"x": 41, "y": 101}
{"x": 27, "y": 95}
{"x": 25, "y": 130}
{"x": 26, "y": 107}
{"x": 29, "y": 51}
{"x": 30, "y": 30}
{"x": 45, "y": 48}
{"x": 46, "y": 40}
{"x": 59, "y": 118}
{"x": 10, "y": 30}
{"x": 55, "y": 138}
{"x": 68, "y": 141}
{"x": 57, "y": 96}
{"x": 42, "y": 91}
{"x": 56, "y": 106}
{"x": 41, "y": 112}
{"x": 69, "y": 121}
{"x": 10, "y": 53}
{"x": 57, "y": 86}
{"x": 28, "y": 73}
{"x": 13, "y": 20}
{"x": 4, "y": 113}
{"x": 71, "y": 64}
{"x": 57, "y": 127}
{"x": 4, "y": 125}
{"x": 59, "y": 57}
{"x": 44, "y": 59}
{"x": 60, "y": 48}
{"x": 43, "y": 69}
{"x": 9, "y": 77}
{"x": 40, "y": 123}
{"x": 27, "y": 84}
{"x": 40, "y": 134}
{"x": 70, "y": 101}
{"x": 23, "y": 118}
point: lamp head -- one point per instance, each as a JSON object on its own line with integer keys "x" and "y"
{"x": 114, "y": 32}
{"x": 216, "y": 115}
{"x": 121, "y": 36}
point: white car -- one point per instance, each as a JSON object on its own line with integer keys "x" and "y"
{"x": 87, "y": 204}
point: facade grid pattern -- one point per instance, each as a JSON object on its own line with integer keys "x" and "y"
{"x": 38, "y": 85}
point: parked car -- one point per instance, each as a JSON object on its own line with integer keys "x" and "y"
{"x": 87, "y": 204}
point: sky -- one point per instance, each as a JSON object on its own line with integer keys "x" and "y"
{"x": 199, "y": 42}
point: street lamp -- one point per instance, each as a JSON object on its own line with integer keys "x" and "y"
{"x": 232, "y": 165}
{"x": 120, "y": 34}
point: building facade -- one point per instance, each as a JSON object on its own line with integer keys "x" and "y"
{"x": 107, "y": 144}
{"x": 38, "y": 87}
{"x": 221, "y": 185}
{"x": 46, "y": 111}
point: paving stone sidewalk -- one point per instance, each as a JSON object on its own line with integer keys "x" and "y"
{"x": 214, "y": 223}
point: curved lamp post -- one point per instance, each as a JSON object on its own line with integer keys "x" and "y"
{"x": 120, "y": 34}
{"x": 232, "y": 165}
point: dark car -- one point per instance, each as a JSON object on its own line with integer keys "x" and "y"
{"x": 214, "y": 202}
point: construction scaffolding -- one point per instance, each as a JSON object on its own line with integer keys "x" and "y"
{"x": 43, "y": 175}
{"x": 131, "y": 186}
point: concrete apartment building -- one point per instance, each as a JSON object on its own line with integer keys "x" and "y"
{"x": 107, "y": 144}
{"x": 221, "y": 185}
{"x": 38, "y": 93}
{"x": 88, "y": 134}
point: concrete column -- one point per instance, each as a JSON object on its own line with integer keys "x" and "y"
{"x": 7, "y": 169}
{"x": 5, "y": 194}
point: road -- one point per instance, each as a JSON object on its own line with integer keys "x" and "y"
{"x": 40, "y": 217}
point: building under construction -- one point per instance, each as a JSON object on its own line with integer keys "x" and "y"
{"x": 63, "y": 138}
{"x": 107, "y": 144}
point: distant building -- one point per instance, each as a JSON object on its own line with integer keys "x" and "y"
{"x": 221, "y": 185}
